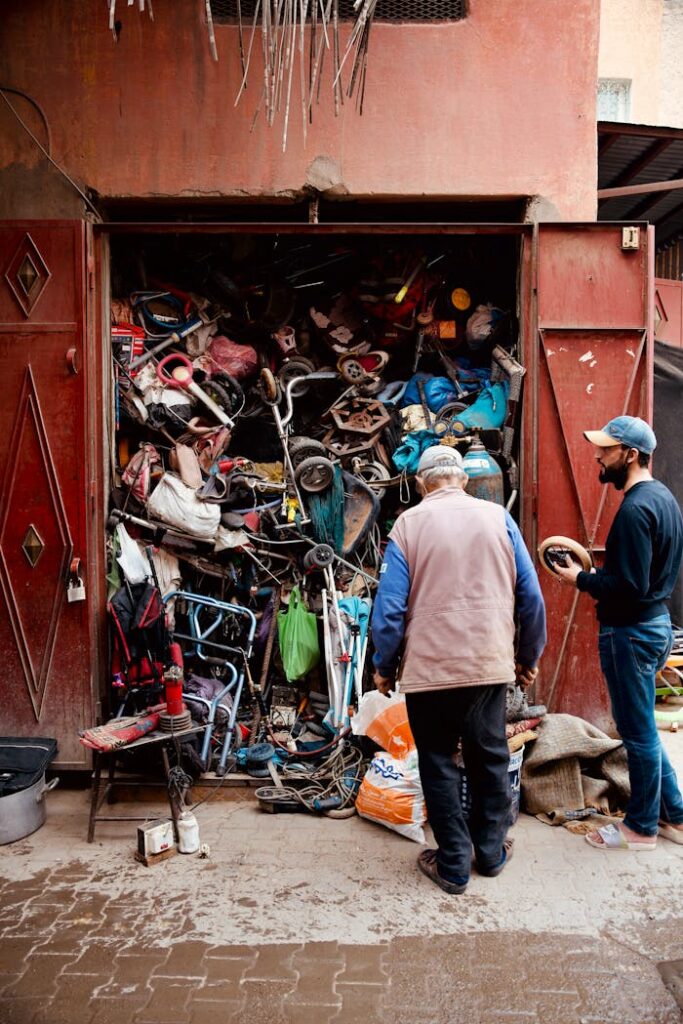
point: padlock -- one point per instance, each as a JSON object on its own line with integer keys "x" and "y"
{"x": 75, "y": 590}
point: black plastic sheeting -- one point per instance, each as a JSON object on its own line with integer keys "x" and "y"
{"x": 23, "y": 760}
{"x": 668, "y": 460}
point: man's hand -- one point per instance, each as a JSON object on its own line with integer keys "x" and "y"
{"x": 525, "y": 675}
{"x": 382, "y": 683}
{"x": 568, "y": 572}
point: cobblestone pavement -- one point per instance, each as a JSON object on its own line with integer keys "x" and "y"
{"x": 294, "y": 919}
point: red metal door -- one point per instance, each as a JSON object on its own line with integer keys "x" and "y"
{"x": 46, "y": 644}
{"x": 669, "y": 312}
{"x": 592, "y": 361}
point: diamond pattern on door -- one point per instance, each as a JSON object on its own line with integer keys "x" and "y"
{"x": 27, "y": 274}
{"x": 33, "y": 546}
{"x": 33, "y": 521}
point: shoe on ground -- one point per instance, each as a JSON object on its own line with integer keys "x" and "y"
{"x": 496, "y": 870}
{"x": 611, "y": 838}
{"x": 426, "y": 862}
{"x": 668, "y": 831}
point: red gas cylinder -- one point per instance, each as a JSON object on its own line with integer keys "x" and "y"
{"x": 173, "y": 681}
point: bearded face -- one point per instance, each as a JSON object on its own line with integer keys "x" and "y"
{"x": 614, "y": 463}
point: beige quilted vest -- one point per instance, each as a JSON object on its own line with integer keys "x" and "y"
{"x": 460, "y": 626}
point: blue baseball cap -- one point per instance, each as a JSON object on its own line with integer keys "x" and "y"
{"x": 628, "y": 430}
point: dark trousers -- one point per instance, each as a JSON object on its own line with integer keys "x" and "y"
{"x": 439, "y": 719}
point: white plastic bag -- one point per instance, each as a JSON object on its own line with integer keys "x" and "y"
{"x": 391, "y": 795}
{"x": 384, "y": 720}
{"x": 132, "y": 561}
{"x": 481, "y": 323}
{"x": 391, "y": 792}
{"x": 174, "y": 503}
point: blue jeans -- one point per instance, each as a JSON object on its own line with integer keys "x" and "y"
{"x": 630, "y": 657}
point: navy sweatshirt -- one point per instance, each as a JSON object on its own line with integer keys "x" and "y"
{"x": 642, "y": 557}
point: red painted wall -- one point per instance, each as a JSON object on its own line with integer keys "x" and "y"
{"x": 500, "y": 104}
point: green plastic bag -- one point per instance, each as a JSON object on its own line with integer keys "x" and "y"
{"x": 298, "y": 634}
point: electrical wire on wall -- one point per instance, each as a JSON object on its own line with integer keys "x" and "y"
{"x": 4, "y": 89}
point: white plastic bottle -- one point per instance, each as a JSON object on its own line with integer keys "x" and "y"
{"x": 188, "y": 833}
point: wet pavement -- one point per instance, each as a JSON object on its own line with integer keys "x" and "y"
{"x": 296, "y": 919}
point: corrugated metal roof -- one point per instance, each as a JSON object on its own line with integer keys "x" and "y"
{"x": 631, "y": 154}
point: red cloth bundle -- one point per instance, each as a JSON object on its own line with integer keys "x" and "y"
{"x": 119, "y": 732}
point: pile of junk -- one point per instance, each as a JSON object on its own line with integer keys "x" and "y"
{"x": 270, "y": 404}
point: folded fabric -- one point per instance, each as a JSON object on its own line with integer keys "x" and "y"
{"x": 580, "y": 822}
{"x": 119, "y": 732}
{"x": 206, "y": 688}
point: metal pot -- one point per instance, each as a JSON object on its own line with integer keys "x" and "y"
{"x": 24, "y": 812}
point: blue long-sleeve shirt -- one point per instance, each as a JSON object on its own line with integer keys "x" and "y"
{"x": 391, "y": 605}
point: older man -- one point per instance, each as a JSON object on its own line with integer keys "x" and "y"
{"x": 455, "y": 576}
{"x": 642, "y": 560}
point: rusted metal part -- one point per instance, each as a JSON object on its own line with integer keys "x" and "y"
{"x": 364, "y": 416}
{"x": 346, "y": 447}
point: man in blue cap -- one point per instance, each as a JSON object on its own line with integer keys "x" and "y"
{"x": 642, "y": 560}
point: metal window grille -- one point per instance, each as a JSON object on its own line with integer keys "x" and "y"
{"x": 386, "y": 10}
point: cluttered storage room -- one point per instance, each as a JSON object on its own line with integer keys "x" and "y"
{"x": 269, "y": 395}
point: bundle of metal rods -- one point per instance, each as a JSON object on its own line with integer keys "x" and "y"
{"x": 283, "y": 26}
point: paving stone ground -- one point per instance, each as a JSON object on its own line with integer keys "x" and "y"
{"x": 294, "y": 919}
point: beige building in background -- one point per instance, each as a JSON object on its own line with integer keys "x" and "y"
{"x": 671, "y": 76}
{"x": 640, "y": 62}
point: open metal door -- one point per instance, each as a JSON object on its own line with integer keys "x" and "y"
{"x": 592, "y": 361}
{"x": 46, "y": 491}
{"x": 668, "y": 312}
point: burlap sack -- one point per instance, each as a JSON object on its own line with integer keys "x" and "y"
{"x": 573, "y": 765}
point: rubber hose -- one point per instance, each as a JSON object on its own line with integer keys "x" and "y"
{"x": 341, "y": 812}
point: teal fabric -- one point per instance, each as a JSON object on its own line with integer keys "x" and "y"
{"x": 326, "y": 511}
{"x": 407, "y": 455}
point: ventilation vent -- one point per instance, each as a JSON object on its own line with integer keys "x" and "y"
{"x": 386, "y": 10}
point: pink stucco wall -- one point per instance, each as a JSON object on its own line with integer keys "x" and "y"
{"x": 500, "y": 104}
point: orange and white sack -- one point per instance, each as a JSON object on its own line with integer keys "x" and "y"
{"x": 384, "y": 720}
{"x": 391, "y": 795}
